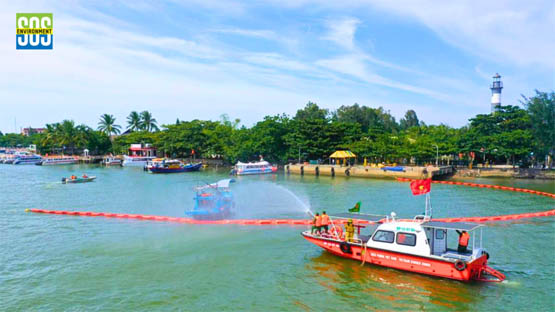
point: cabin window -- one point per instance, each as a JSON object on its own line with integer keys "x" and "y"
{"x": 406, "y": 239}
{"x": 384, "y": 236}
{"x": 440, "y": 234}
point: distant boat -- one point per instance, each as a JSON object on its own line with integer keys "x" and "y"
{"x": 7, "y": 159}
{"x": 57, "y": 160}
{"x": 260, "y": 167}
{"x": 27, "y": 159}
{"x": 78, "y": 180}
{"x": 111, "y": 161}
{"x": 162, "y": 165}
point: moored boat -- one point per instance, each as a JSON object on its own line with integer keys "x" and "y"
{"x": 57, "y": 160}
{"x": 26, "y": 159}
{"x": 260, "y": 167}
{"x": 213, "y": 201}
{"x": 162, "y": 165}
{"x": 111, "y": 161}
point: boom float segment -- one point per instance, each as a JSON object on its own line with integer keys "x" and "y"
{"x": 497, "y": 187}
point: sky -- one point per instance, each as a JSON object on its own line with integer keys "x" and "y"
{"x": 200, "y": 59}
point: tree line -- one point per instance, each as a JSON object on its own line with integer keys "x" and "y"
{"x": 512, "y": 135}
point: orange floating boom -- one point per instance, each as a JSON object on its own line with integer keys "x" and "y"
{"x": 498, "y": 187}
{"x": 275, "y": 221}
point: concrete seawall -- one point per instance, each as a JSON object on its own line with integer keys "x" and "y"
{"x": 367, "y": 171}
{"x": 519, "y": 173}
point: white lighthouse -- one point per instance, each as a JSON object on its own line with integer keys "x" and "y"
{"x": 496, "y": 87}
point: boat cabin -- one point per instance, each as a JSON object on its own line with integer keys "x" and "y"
{"x": 422, "y": 237}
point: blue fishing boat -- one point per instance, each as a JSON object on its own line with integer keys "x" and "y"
{"x": 170, "y": 166}
{"x": 213, "y": 201}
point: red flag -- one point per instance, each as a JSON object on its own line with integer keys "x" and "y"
{"x": 420, "y": 187}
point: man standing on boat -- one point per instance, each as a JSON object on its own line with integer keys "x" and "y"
{"x": 349, "y": 231}
{"x": 464, "y": 237}
{"x": 325, "y": 221}
{"x": 316, "y": 223}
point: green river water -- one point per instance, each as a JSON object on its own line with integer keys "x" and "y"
{"x": 52, "y": 262}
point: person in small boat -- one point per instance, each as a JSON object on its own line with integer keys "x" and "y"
{"x": 85, "y": 176}
{"x": 349, "y": 231}
{"x": 464, "y": 237}
{"x": 316, "y": 223}
{"x": 325, "y": 221}
{"x": 73, "y": 177}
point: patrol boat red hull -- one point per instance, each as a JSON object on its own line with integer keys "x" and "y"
{"x": 402, "y": 261}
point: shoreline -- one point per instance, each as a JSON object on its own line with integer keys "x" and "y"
{"x": 419, "y": 172}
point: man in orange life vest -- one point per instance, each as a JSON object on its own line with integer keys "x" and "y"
{"x": 316, "y": 223}
{"x": 464, "y": 237}
{"x": 324, "y": 221}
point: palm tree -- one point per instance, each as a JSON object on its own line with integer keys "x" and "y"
{"x": 134, "y": 121}
{"x": 148, "y": 123}
{"x": 107, "y": 125}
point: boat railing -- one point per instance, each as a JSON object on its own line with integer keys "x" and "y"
{"x": 421, "y": 218}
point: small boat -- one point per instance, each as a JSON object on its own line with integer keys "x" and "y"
{"x": 417, "y": 245}
{"x": 260, "y": 167}
{"x": 136, "y": 161}
{"x": 8, "y": 159}
{"x": 162, "y": 165}
{"x": 57, "y": 160}
{"x": 78, "y": 180}
{"x": 213, "y": 201}
{"x": 27, "y": 159}
{"x": 111, "y": 161}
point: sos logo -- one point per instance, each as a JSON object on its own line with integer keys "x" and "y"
{"x": 34, "y": 31}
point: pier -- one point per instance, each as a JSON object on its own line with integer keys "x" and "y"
{"x": 412, "y": 172}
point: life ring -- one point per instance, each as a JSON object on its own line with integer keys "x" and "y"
{"x": 347, "y": 172}
{"x": 487, "y": 254}
{"x": 460, "y": 265}
{"x": 345, "y": 247}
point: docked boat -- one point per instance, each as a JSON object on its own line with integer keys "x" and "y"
{"x": 111, "y": 161}
{"x": 57, "y": 160}
{"x": 213, "y": 201}
{"x": 417, "y": 245}
{"x": 27, "y": 159}
{"x": 78, "y": 180}
{"x": 7, "y": 159}
{"x": 260, "y": 167}
{"x": 139, "y": 155}
{"x": 162, "y": 165}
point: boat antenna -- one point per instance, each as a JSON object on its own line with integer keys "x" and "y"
{"x": 428, "y": 211}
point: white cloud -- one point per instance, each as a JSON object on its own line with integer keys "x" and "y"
{"x": 342, "y": 32}
{"x": 518, "y": 31}
{"x": 258, "y": 33}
